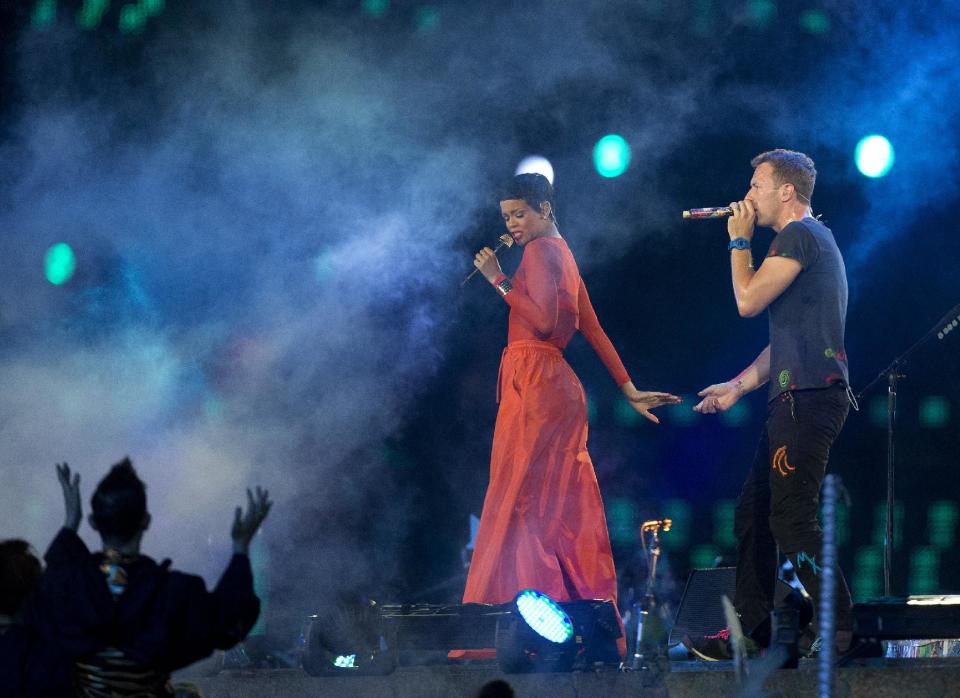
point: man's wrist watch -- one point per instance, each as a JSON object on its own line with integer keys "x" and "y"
{"x": 739, "y": 244}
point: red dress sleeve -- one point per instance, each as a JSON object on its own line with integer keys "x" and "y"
{"x": 590, "y": 327}
{"x": 537, "y": 300}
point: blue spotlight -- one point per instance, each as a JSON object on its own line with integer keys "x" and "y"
{"x": 874, "y": 156}
{"x": 611, "y": 155}
{"x": 538, "y": 164}
{"x": 544, "y": 616}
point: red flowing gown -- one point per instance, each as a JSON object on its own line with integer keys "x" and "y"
{"x": 543, "y": 525}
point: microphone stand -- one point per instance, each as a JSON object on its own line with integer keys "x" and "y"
{"x": 892, "y": 373}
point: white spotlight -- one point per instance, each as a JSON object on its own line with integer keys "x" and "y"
{"x": 538, "y": 164}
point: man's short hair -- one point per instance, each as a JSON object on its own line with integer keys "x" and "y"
{"x": 533, "y": 188}
{"x": 790, "y": 167}
{"x": 119, "y": 503}
{"x": 19, "y": 574}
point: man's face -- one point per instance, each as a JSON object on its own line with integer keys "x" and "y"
{"x": 764, "y": 194}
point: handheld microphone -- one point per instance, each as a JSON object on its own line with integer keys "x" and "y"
{"x": 700, "y": 214}
{"x": 505, "y": 241}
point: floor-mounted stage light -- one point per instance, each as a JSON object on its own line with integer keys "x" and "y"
{"x": 544, "y": 635}
{"x": 346, "y": 642}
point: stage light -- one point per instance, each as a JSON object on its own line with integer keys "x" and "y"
{"x": 723, "y": 511}
{"x": 621, "y": 520}
{"x": 538, "y": 164}
{"x": 132, "y": 19}
{"x": 544, "y": 616}
{"x": 737, "y": 416}
{"x": 44, "y": 14}
{"x": 942, "y": 523}
{"x": 153, "y": 7}
{"x": 91, "y": 13}
{"x": 625, "y": 415}
{"x": 867, "y": 578}
{"x": 375, "y": 8}
{"x": 704, "y": 556}
{"x": 59, "y": 264}
{"x": 874, "y": 156}
{"x": 934, "y": 412}
{"x": 924, "y": 570}
{"x": 428, "y": 19}
{"x": 815, "y": 22}
{"x": 681, "y": 514}
{"x": 346, "y": 642}
{"x": 611, "y": 156}
{"x": 761, "y": 13}
{"x": 544, "y": 635}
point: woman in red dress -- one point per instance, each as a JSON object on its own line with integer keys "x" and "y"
{"x": 543, "y": 525}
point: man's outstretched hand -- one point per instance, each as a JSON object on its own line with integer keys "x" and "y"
{"x": 245, "y": 524}
{"x": 71, "y": 497}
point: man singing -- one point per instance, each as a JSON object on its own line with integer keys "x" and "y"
{"x": 803, "y": 283}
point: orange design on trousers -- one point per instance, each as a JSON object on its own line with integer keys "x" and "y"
{"x": 543, "y": 525}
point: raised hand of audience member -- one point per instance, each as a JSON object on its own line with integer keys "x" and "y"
{"x": 71, "y": 497}
{"x": 245, "y": 524}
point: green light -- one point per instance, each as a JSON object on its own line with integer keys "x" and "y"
{"x": 683, "y": 415}
{"x": 375, "y": 8}
{"x": 867, "y": 575}
{"x": 132, "y": 19}
{"x": 91, "y": 13}
{"x": 736, "y": 416}
{"x": 723, "y": 523}
{"x": 44, "y": 14}
{"x": 761, "y": 13}
{"x": 428, "y": 18}
{"x": 591, "y": 410}
{"x": 878, "y": 411}
{"x": 611, "y": 156}
{"x": 704, "y": 556}
{"x": 815, "y": 22}
{"x": 934, "y": 412}
{"x": 59, "y": 264}
{"x": 942, "y": 523}
{"x": 880, "y": 523}
{"x": 704, "y": 17}
{"x": 680, "y": 513}
{"x": 924, "y": 570}
{"x": 153, "y": 7}
{"x": 622, "y": 521}
{"x": 626, "y": 416}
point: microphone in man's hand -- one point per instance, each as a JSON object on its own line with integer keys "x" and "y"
{"x": 702, "y": 214}
{"x": 505, "y": 241}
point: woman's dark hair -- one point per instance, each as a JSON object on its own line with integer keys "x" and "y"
{"x": 533, "y": 188}
{"x": 20, "y": 572}
{"x": 120, "y": 502}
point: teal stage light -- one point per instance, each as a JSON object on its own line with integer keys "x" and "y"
{"x": 874, "y": 156}
{"x": 59, "y": 264}
{"x": 611, "y": 156}
{"x": 544, "y": 616}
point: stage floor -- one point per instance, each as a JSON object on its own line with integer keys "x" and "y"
{"x": 873, "y": 678}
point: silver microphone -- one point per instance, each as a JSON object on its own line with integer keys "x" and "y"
{"x": 700, "y": 214}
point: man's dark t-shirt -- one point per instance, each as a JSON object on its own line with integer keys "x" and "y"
{"x": 807, "y": 320}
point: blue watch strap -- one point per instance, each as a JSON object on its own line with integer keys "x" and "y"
{"x": 739, "y": 244}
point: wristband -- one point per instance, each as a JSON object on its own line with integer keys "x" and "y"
{"x": 739, "y": 244}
